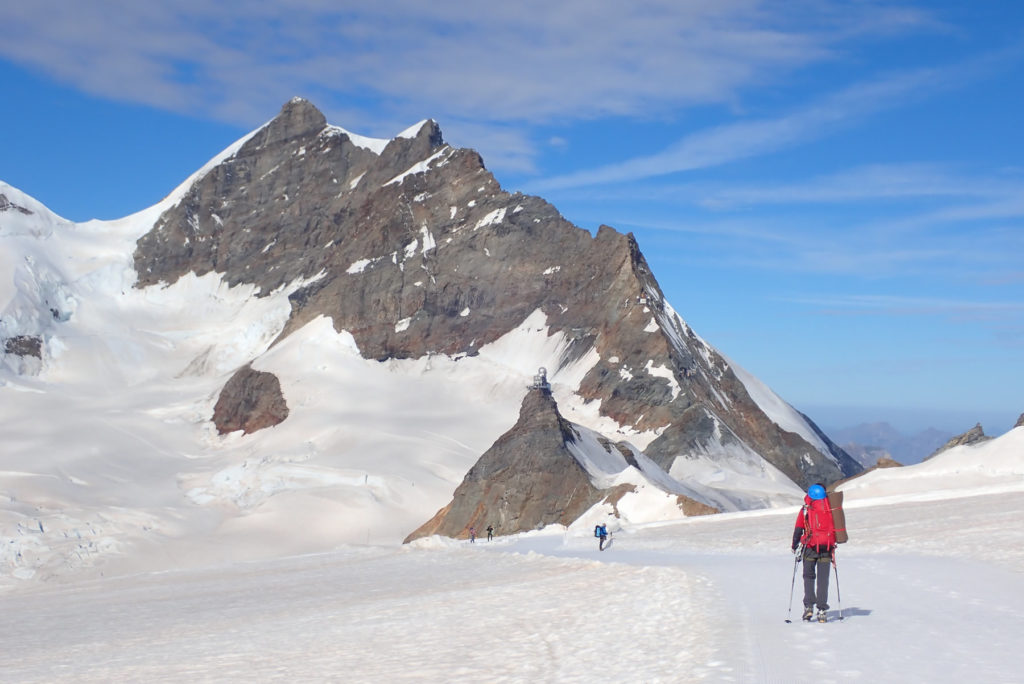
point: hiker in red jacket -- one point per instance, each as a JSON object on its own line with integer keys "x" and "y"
{"x": 816, "y": 534}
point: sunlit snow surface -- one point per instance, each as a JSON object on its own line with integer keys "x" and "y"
{"x": 931, "y": 591}
{"x": 140, "y": 545}
{"x": 109, "y": 448}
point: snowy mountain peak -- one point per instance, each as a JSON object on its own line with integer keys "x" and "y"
{"x": 20, "y": 213}
{"x": 7, "y": 205}
{"x": 546, "y": 470}
{"x": 295, "y": 333}
{"x": 298, "y": 117}
{"x": 414, "y": 130}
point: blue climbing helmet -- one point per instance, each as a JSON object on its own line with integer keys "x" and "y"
{"x": 816, "y": 492}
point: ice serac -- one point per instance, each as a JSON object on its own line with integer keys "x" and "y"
{"x": 414, "y": 249}
{"x": 528, "y": 479}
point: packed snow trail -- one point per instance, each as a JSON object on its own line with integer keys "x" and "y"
{"x": 698, "y": 601}
{"x": 366, "y": 616}
{"x": 909, "y": 614}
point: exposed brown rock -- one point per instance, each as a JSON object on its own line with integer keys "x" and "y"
{"x": 526, "y": 480}
{"x": 886, "y": 462}
{"x": 24, "y": 345}
{"x": 691, "y": 507}
{"x": 7, "y": 205}
{"x": 250, "y": 401}
{"x": 883, "y": 462}
{"x": 976, "y": 435}
{"x": 443, "y": 261}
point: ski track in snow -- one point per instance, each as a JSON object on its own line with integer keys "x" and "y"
{"x": 931, "y": 592}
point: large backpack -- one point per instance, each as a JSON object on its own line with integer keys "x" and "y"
{"x": 819, "y": 528}
{"x": 835, "y": 502}
{"x": 597, "y": 530}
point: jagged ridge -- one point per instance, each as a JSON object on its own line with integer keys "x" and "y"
{"x": 417, "y": 250}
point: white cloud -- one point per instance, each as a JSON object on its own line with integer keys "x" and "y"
{"x": 385, "y": 64}
{"x": 730, "y": 142}
{"x": 874, "y": 181}
{"x": 903, "y": 304}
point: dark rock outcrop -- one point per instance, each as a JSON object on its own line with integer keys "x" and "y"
{"x": 250, "y": 401}
{"x": 976, "y": 435}
{"x": 7, "y": 205}
{"x": 527, "y": 479}
{"x": 24, "y": 345}
{"x": 530, "y": 478}
{"x": 1020, "y": 421}
{"x": 883, "y": 462}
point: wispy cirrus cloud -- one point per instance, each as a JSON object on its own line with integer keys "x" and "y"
{"x": 815, "y": 244}
{"x": 903, "y": 305}
{"x": 529, "y": 61}
{"x": 377, "y": 67}
{"x": 968, "y": 192}
{"x": 908, "y": 181}
{"x": 745, "y": 139}
{"x": 1003, "y": 320}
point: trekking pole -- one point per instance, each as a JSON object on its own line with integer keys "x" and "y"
{"x": 792, "y": 584}
{"x": 839, "y": 597}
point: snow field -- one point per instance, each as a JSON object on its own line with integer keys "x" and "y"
{"x": 932, "y": 591}
{"x": 393, "y": 615}
{"x": 110, "y": 445}
{"x": 139, "y": 545}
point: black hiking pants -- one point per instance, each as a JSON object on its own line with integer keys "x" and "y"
{"x": 816, "y": 572}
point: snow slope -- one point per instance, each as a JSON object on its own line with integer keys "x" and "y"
{"x": 776, "y": 408}
{"x": 925, "y": 597}
{"x": 139, "y": 545}
{"x": 988, "y": 467}
{"x": 107, "y": 439}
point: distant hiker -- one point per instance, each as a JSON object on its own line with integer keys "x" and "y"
{"x": 601, "y": 532}
{"x": 490, "y": 532}
{"x": 815, "y": 533}
{"x": 472, "y": 535}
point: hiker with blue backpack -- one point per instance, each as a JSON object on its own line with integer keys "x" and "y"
{"x": 601, "y": 532}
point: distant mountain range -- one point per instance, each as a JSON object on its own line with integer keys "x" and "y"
{"x": 868, "y": 442}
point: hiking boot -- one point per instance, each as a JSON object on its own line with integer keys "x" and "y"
{"x": 808, "y": 613}
{"x": 822, "y": 616}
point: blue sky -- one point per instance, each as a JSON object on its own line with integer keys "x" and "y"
{"x": 831, "y": 193}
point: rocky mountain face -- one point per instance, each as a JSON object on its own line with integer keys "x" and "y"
{"x": 25, "y": 349}
{"x": 250, "y": 401}
{"x": 415, "y": 250}
{"x": 532, "y": 477}
{"x": 8, "y": 205}
{"x": 526, "y": 480}
{"x": 975, "y": 435}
